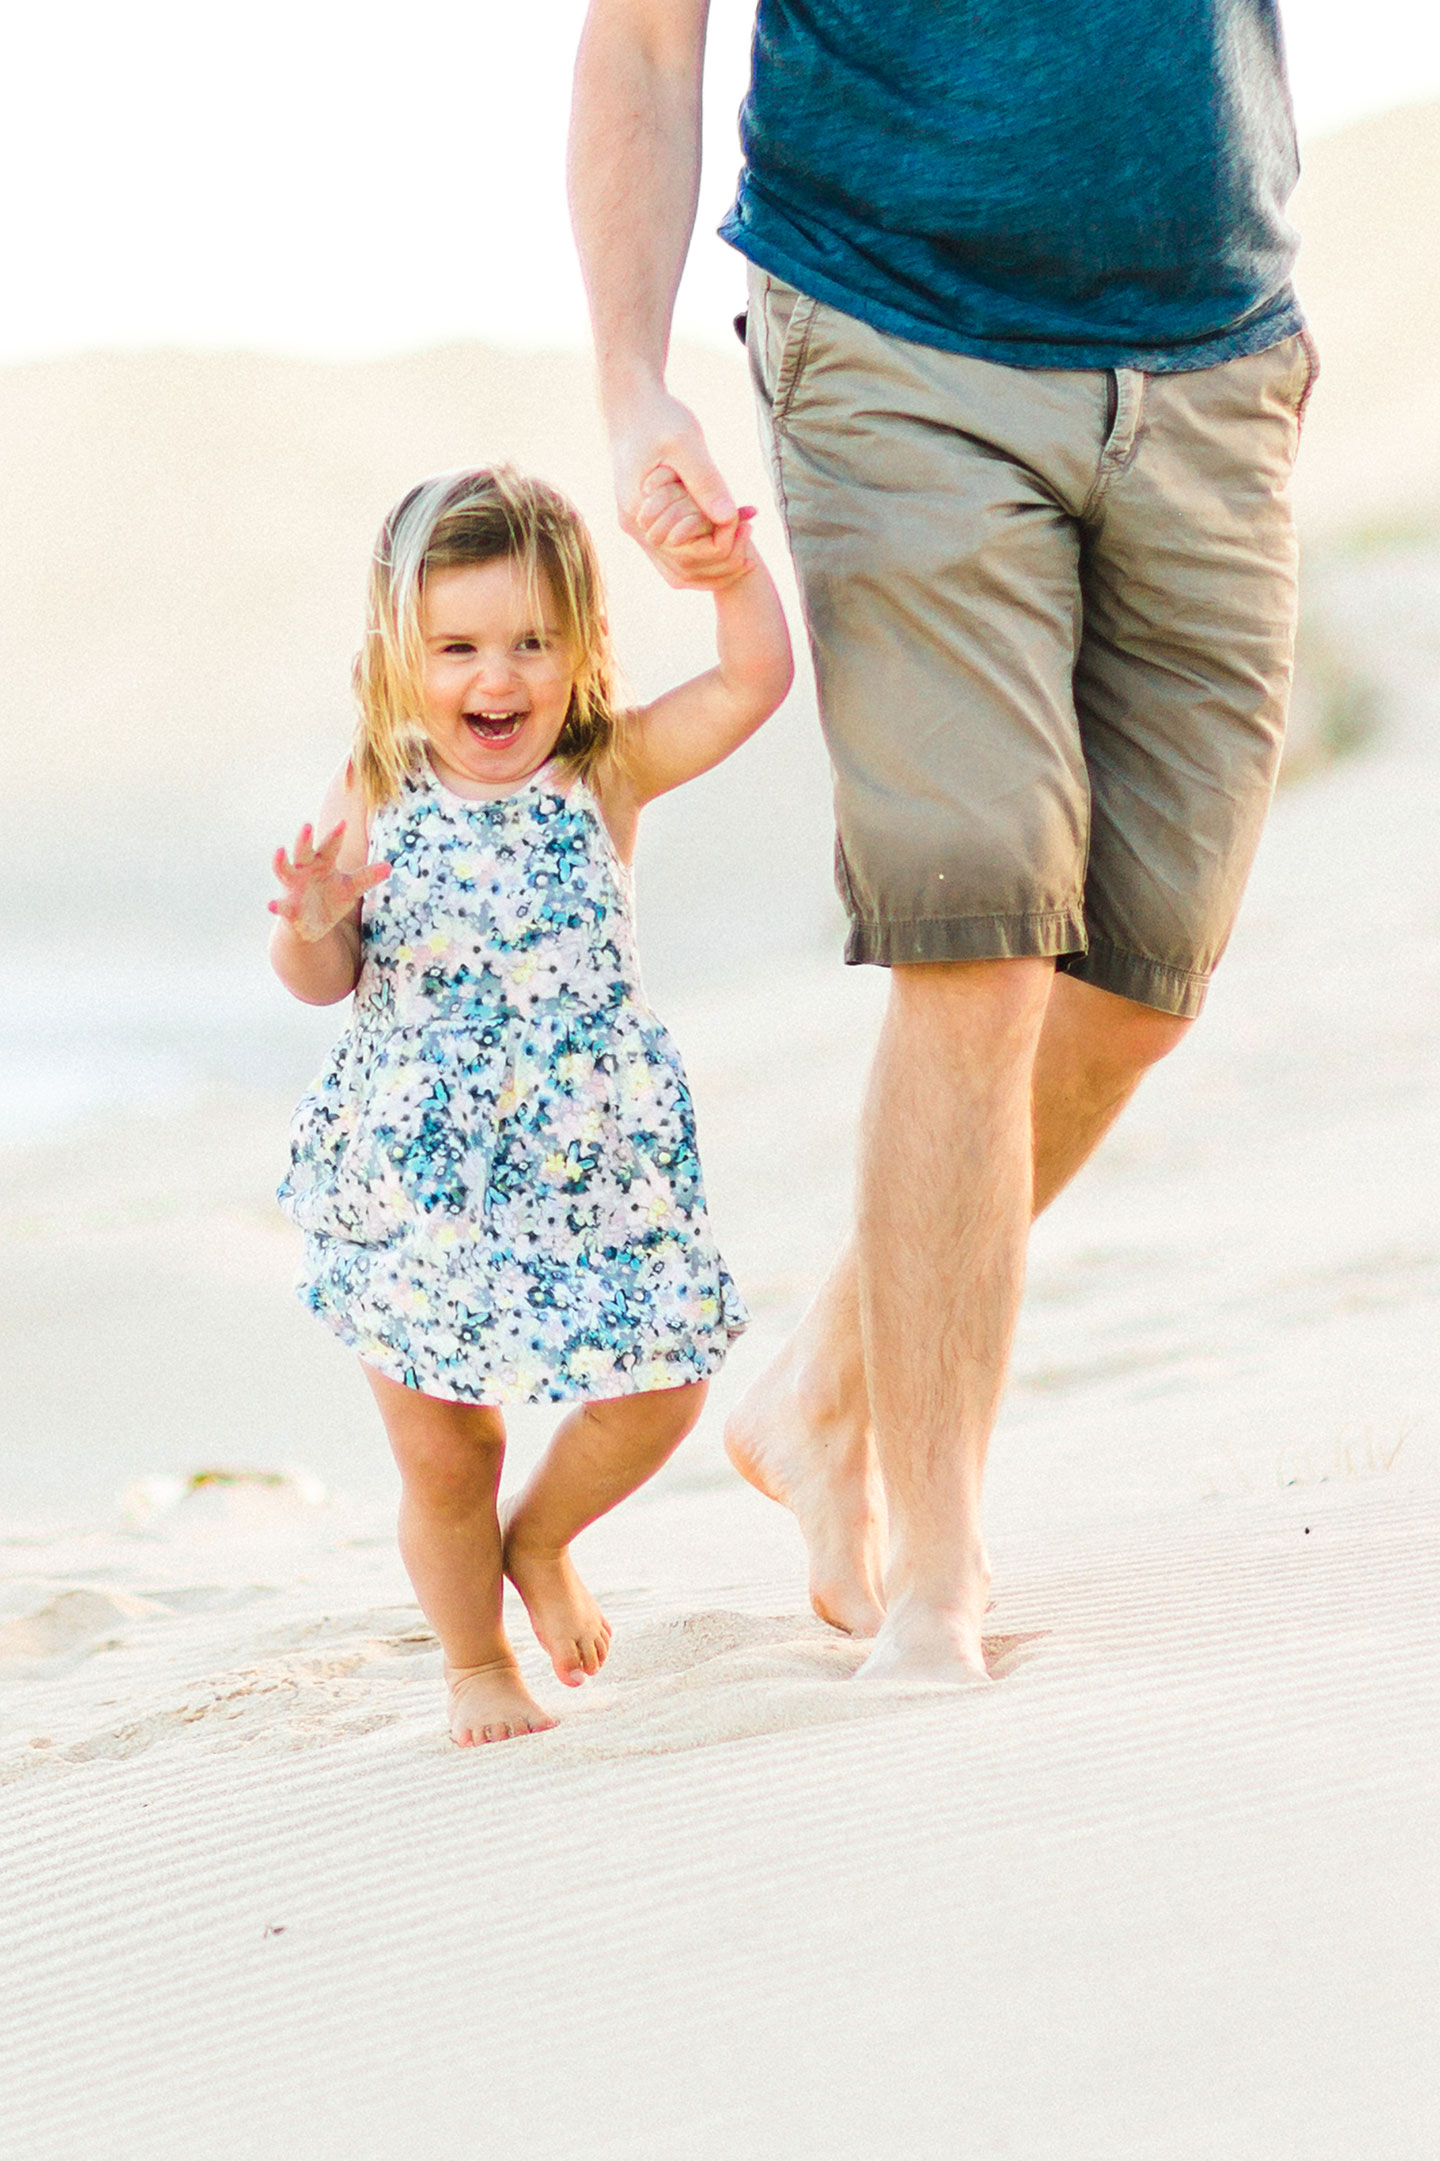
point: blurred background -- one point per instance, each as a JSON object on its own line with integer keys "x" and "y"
{"x": 261, "y": 272}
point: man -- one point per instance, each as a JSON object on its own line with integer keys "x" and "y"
{"x": 1032, "y": 370}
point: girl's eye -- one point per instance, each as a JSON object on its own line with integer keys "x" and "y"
{"x": 458, "y": 647}
{"x": 532, "y": 644}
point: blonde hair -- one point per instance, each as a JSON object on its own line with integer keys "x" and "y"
{"x": 485, "y": 515}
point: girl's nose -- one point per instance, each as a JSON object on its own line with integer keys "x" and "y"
{"x": 492, "y": 673}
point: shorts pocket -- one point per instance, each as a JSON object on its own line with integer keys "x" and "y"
{"x": 779, "y": 320}
{"x": 1300, "y": 357}
{"x": 1311, "y": 376}
{"x": 794, "y": 347}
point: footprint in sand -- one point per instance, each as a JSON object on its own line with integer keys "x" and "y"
{"x": 704, "y": 1678}
{"x": 74, "y": 1623}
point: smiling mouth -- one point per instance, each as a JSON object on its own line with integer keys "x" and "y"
{"x": 494, "y": 727}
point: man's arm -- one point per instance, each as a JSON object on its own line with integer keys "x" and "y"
{"x": 635, "y": 136}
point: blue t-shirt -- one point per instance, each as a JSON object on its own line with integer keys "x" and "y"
{"x": 1047, "y": 183}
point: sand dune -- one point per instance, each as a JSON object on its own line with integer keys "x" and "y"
{"x": 1368, "y": 207}
{"x": 207, "y": 518}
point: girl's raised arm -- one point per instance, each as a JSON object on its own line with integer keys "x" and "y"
{"x": 315, "y": 945}
{"x": 695, "y": 726}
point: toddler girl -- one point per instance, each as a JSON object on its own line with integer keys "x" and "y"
{"x": 496, "y": 1172}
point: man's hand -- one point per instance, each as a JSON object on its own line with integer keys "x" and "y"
{"x": 672, "y": 498}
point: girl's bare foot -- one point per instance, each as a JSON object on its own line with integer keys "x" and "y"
{"x": 562, "y": 1613}
{"x": 491, "y": 1703}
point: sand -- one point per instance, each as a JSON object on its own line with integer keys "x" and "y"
{"x": 1167, "y": 1891}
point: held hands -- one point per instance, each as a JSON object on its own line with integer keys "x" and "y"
{"x": 317, "y": 894}
{"x": 688, "y": 550}
{"x": 674, "y": 502}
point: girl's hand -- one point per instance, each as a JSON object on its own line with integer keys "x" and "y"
{"x": 691, "y": 728}
{"x": 317, "y": 895}
{"x": 691, "y": 552}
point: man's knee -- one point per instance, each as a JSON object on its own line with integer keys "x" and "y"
{"x": 1147, "y": 1036}
{"x": 1105, "y": 1032}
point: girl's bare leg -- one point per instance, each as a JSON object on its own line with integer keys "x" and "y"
{"x": 450, "y": 1456}
{"x": 600, "y": 1453}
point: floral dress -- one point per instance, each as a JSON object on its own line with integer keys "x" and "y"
{"x": 496, "y": 1172}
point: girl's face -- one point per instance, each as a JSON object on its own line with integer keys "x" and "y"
{"x": 498, "y": 676}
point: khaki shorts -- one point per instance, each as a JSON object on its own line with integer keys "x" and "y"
{"x": 1053, "y": 618}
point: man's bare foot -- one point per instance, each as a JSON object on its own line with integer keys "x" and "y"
{"x": 491, "y": 1703}
{"x": 562, "y": 1613}
{"x": 925, "y": 1641}
{"x": 817, "y": 1459}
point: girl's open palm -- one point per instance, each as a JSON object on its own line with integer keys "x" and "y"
{"x": 318, "y": 894}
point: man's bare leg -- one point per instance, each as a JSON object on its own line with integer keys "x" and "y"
{"x": 943, "y": 1212}
{"x": 802, "y": 1432}
{"x": 1095, "y": 1049}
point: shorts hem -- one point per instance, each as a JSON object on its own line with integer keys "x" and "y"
{"x": 1177, "y": 991}
{"x": 1045, "y": 934}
